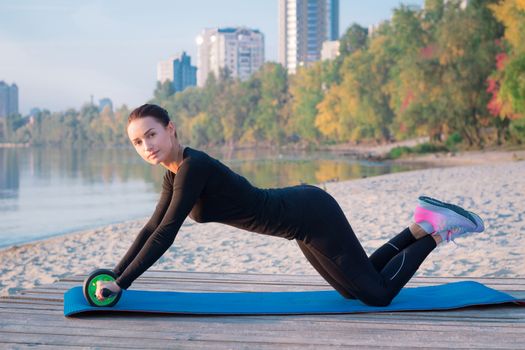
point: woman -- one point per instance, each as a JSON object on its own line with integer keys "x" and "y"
{"x": 200, "y": 186}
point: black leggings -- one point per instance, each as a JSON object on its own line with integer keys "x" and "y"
{"x": 335, "y": 252}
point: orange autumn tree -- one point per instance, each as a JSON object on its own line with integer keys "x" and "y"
{"x": 507, "y": 84}
{"x": 357, "y": 108}
{"x": 337, "y": 111}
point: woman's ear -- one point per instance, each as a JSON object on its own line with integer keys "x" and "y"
{"x": 172, "y": 129}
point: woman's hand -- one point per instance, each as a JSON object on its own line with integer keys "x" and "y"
{"x": 112, "y": 286}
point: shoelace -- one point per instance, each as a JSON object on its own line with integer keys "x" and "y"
{"x": 451, "y": 231}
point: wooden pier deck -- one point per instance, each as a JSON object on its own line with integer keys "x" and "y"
{"x": 34, "y": 318}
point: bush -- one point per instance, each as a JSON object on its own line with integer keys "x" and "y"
{"x": 429, "y": 148}
{"x": 517, "y": 130}
{"x": 453, "y": 140}
{"x": 398, "y": 152}
{"x": 422, "y": 148}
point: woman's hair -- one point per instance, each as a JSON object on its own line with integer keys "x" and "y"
{"x": 150, "y": 110}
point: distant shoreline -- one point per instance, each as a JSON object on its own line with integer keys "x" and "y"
{"x": 466, "y": 158}
{"x": 373, "y": 152}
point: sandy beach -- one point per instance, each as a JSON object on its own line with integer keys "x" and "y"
{"x": 377, "y": 208}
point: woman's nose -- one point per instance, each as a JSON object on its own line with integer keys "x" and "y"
{"x": 147, "y": 146}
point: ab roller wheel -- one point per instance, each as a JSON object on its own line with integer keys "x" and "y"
{"x": 90, "y": 287}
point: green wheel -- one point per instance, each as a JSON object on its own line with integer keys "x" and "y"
{"x": 90, "y": 287}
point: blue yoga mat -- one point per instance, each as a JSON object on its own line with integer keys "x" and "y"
{"x": 440, "y": 297}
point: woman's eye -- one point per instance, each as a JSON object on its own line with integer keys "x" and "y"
{"x": 152, "y": 134}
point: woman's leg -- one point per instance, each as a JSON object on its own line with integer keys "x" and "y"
{"x": 379, "y": 258}
{"x": 339, "y": 253}
{"x": 360, "y": 278}
{"x": 387, "y": 251}
{"x": 322, "y": 271}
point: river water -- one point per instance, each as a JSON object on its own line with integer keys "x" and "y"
{"x": 49, "y": 192}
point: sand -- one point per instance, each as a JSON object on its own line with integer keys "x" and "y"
{"x": 377, "y": 208}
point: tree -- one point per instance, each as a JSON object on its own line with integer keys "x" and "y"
{"x": 467, "y": 41}
{"x": 511, "y": 13}
{"x": 355, "y": 38}
{"x": 162, "y": 91}
{"x": 445, "y": 86}
{"x": 269, "y": 87}
{"x": 307, "y": 90}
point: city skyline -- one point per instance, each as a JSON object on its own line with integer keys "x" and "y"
{"x": 304, "y": 25}
{"x": 240, "y": 50}
{"x": 8, "y": 98}
{"x": 111, "y": 50}
{"x": 179, "y": 71}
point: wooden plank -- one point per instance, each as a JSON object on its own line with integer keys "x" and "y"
{"x": 34, "y": 317}
{"x": 265, "y": 286}
{"x": 58, "y": 299}
{"x": 94, "y": 341}
{"x": 113, "y": 328}
{"x": 56, "y": 295}
{"x": 349, "y": 336}
{"x": 344, "y": 337}
{"x": 410, "y": 319}
{"x": 195, "y": 287}
{"x": 314, "y": 283}
{"x": 23, "y": 345}
{"x": 21, "y": 302}
{"x": 50, "y": 292}
{"x": 267, "y": 323}
{"x": 486, "y": 314}
{"x": 30, "y": 306}
{"x": 291, "y": 279}
{"x": 495, "y": 313}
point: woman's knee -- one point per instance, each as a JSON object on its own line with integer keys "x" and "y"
{"x": 376, "y": 298}
{"x": 345, "y": 294}
{"x": 370, "y": 299}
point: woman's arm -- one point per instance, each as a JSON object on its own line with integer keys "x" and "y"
{"x": 150, "y": 227}
{"x": 188, "y": 185}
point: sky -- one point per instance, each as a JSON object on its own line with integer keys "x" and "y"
{"x": 61, "y": 52}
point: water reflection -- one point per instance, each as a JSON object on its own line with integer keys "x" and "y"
{"x": 9, "y": 176}
{"x": 45, "y": 192}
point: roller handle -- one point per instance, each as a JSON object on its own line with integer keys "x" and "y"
{"x": 106, "y": 292}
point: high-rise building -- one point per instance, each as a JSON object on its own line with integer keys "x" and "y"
{"x": 165, "y": 70}
{"x": 239, "y": 50}
{"x": 184, "y": 74}
{"x": 8, "y": 99}
{"x": 179, "y": 71}
{"x": 303, "y": 27}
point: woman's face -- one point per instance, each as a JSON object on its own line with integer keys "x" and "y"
{"x": 153, "y": 141}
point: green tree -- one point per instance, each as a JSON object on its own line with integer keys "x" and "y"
{"x": 162, "y": 91}
{"x": 269, "y": 94}
{"x": 355, "y": 38}
{"x": 306, "y": 90}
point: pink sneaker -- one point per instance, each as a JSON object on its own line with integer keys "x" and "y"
{"x": 447, "y": 220}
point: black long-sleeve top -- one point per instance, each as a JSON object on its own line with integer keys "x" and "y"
{"x": 207, "y": 190}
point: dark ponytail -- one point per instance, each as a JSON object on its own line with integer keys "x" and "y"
{"x": 150, "y": 110}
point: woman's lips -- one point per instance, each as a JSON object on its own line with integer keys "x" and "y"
{"x": 153, "y": 154}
